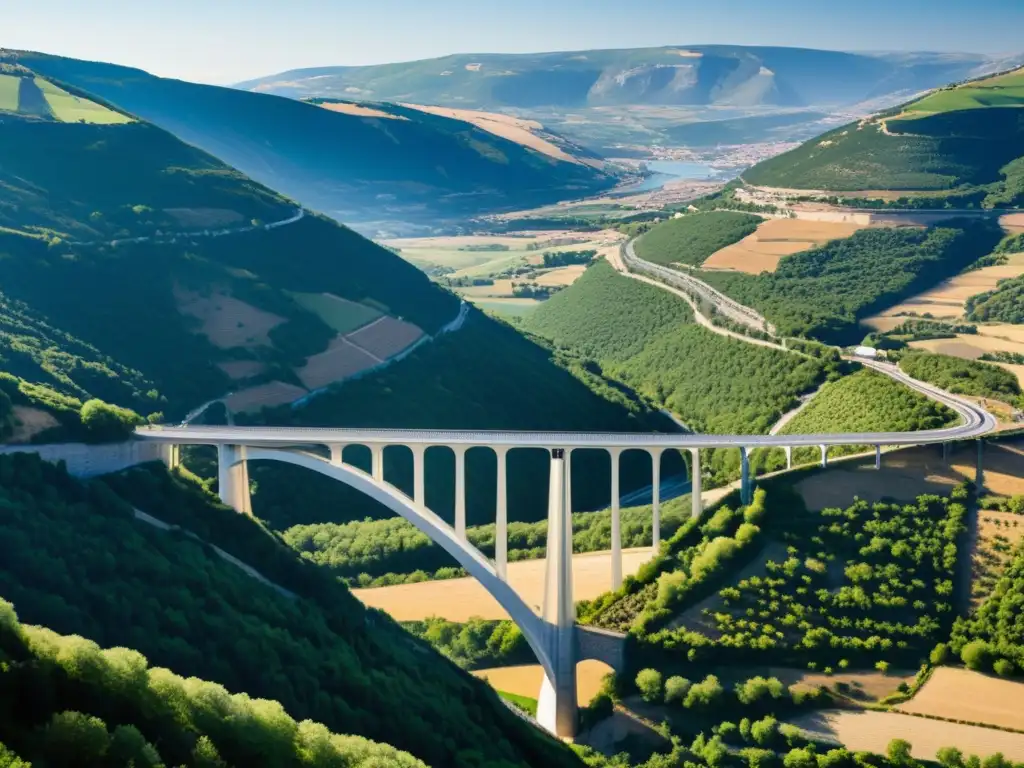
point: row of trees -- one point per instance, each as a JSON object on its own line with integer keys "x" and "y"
{"x": 1004, "y": 304}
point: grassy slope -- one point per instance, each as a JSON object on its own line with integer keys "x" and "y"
{"x": 75, "y": 560}
{"x": 338, "y": 162}
{"x": 692, "y": 239}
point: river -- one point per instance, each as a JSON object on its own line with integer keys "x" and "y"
{"x": 665, "y": 171}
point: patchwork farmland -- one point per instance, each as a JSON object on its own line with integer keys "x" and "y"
{"x": 775, "y": 239}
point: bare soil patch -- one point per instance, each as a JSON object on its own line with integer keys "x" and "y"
{"x": 872, "y": 732}
{"x": 265, "y": 395}
{"x": 525, "y": 680}
{"x": 226, "y": 321}
{"x": 994, "y": 537}
{"x": 29, "y": 422}
{"x": 242, "y": 369}
{"x": 1013, "y": 223}
{"x": 358, "y": 110}
{"x": 462, "y": 599}
{"x": 340, "y": 360}
{"x": 205, "y": 217}
{"x": 774, "y": 239}
{"x": 385, "y": 337}
{"x": 561, "y": 275}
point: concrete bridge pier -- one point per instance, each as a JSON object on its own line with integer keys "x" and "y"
{"x": 824, "y": 456}
{"x": 233, "y": 478}
{"x": 170, "y": 454}
{"x": 615, "y": 453}
{"x": 337, "y": 452}
{"x": 979, "y": 472}
{"x": 460, "y": 491}
{"x": 878, "y": 457}
{"x": 789, "y": 456}
{"x": 501, "y": 517}
{"x": 945, "y": 453}
{"x": 696, "y": 502}
{"x": 556, "y": 704}
{"x": 746, "y": 493}
{"x": 655, "y": 499}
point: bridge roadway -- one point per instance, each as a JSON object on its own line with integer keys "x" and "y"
{"x": 552, "y": 634}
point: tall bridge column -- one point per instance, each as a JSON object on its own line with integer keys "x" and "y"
{"x": 745, "y": 491}
{"x": 655, "y": 498}
{"x": 419, "y": 493}
{"x": 337, "y": 451}
{"x": 945, "y": 453}
{"x": 824, "y": 455}
{"x": 696, "y": 502}
{"x": 614, "y": 453}
{"x": 979, "y": 472}
{"x": 501, "y": 518}
{"x": 233, "y": 478}
{"x": 377, "y": 463}
{"x": 556, "y": 704}
{"x": 460, "y": 491}
{"x": 170, "y": 453}
{"x": 789, "y": 456}
{"x": 878, "y": 457}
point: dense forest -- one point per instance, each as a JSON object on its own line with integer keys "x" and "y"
{"x": 477, "y": 644}
{"x": 825, "y": 291}
{"x": 66, "y": 702}
{"x": 962, "y": 377}
{"x": 692, "y": 238}
{"x": 1004, "y": 304}
{"x": 74, "y": 558}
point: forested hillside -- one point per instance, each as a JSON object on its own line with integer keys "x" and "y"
{"x": 74, "y": 559}
{"x": 691, "y": 239}
{"x": 825, "y": 291}
{"x": 369, "y": 164}
{"x": 65, "y": 701}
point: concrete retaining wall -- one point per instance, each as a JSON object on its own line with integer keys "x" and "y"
{"x": 84, "y": 460}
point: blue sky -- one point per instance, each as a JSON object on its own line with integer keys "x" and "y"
{"x": 224, "y": 41}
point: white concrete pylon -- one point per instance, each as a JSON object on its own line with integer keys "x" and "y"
{"x": 878, "y": 457}
{"x": 789, "y": 456}
{"x": 377, "y": 462}
{"x": 337, "y": 453}
{"x": 460, "y": 491}
{"x": 655, "y": 498}
{"x": 824, "y": 455}
{"x": 745, "y": 494}
{"x": 233, "y": 478}
{"x": 418, "y": 480}
{"x": 501, "y": 517}
{"x": 615, "y": 453}
{"x": 556, "y": 703}
{"x": 696, "y": 488}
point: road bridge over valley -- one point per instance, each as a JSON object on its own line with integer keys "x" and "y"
{"x": 551, "y": 633}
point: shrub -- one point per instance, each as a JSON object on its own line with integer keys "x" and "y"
{"x": 757, "y": 688}
{"x": 950, "y": 757}
{"x": 800, "y": 758}
{"x": 939, "y": 654}
{"x": 976, "y": 655}
{"x": 648, "y": 682}
{"x": 676, "y": 688}
{"x": 104, "y": 422}
{"x": 705, "y": 694}
{"x": 764, "y": 731}
{"x": 759, "y": 758}
{"x": 1004, "y": 668}
{"x": 898, "y": 752}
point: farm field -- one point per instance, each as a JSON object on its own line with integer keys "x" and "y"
{"x": 385, "y": 337}
{"x": 872, "y": 732}
{"x": 969, "y": 346}
{"x": 775, "y": 239}
{"x": 960, "y": 694}
{"x": 341, "y": 359}
{"x": 342, "y": 315}
{"x": 226, "y": 321}
{"x": 463, "y": 599}
{"x": 561, "y": 275}
{"x": 1000, "y": 91}
{"x": 993, "y": 540}
{"x": 263, "y": 396}
{"x": 242, "y": 369}
{"x": 73, "y": 109}
{"x": 525, "y": 679}
{"x": 358, "y": 110}
{"x": 9, "y": 87}
{"x": 507, "y": 307}
{"x": 946, "y": 300}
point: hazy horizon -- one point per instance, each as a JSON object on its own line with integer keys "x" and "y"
{"x": 230, "y": 43}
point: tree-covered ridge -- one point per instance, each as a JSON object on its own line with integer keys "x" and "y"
{"x": 64, "y": 701}
{"x": 1003, "y": 304}
{"x": 963, "y": 150}
{"x": 693, "y": 238}
{"x": 825, "y": 291}
{"x": 644, "y": 336}
{"x": 868, "y": 401}
{"x": 962, "y": 377}
{"x": 74, "y": 559}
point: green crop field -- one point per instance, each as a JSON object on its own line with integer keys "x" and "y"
{"x": 507, "y": 308}
{"x": 342, "y": 315}
{"x": 691, "y": 239}
{"x": 74, "y": 109}
{"x": 9, "y": 87}
{"x": 1003, "y": 91}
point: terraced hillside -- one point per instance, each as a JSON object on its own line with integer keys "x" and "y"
{"x": 359, "y": 164}
{"x": 965, "y": 138}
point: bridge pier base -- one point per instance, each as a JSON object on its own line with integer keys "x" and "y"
{"x": 233, "y": 478}
{"x": 556, "y": 704}
{"x": 746, "y": 493}
{"x": 878, "y": 457}
{"x": 696, "y": 502}
{"x": 824, "y": 456}
{"x": 789, "y": 456}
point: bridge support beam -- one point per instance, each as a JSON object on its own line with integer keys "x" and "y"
{"x": 945, "y": 453}
{"x": 501, "y": 518}
{"x": 615, "y": 453}
{"x": 377, "y": 463}
{"x": 655, "y": 499}
{"x": 878, "y": 457}
{"x": 746, "y": 493}
{"x": 979, "y": 472}
{"x": 170, "y": 453}
{"x": 419, "y": 493}
{"x": 460, "y": 491}
{"x": 789, "y": 456}
{"x": 556, "y": 704}
{"x": 337, "y": 451}
{"x": 824, "y": 455}
{"x": 696, "y": 502}
{"x": 233, "y": 478}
